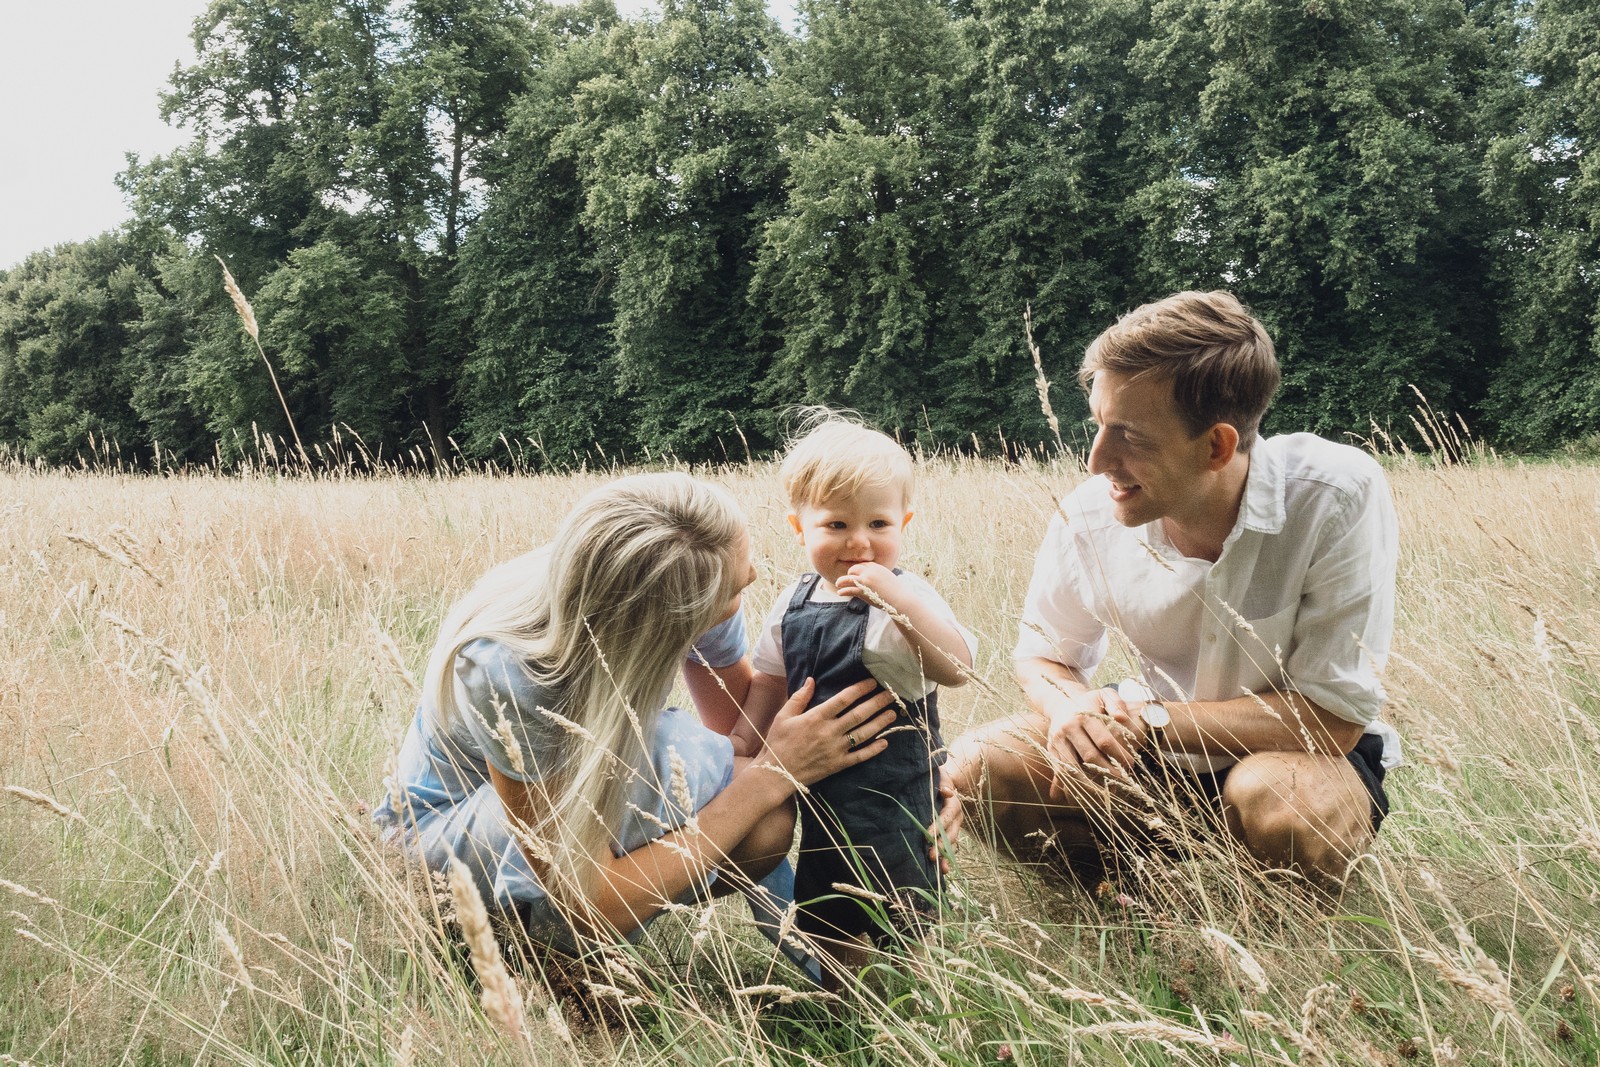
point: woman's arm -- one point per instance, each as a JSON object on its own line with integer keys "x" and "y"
{"x": 718, "y": 692}
{"x": 802, "y": 747}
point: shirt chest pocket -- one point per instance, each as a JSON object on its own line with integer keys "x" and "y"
{"x": 1249, "y": 653}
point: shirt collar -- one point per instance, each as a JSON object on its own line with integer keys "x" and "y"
{"x": 1263, "y": 508}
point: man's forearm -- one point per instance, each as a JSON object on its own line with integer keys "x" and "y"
{"x": 1270, "y": 722}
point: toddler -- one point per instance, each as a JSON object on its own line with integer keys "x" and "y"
{"x": 849, "y": 490}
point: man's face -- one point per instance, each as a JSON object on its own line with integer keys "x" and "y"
{"x": 1145, "y": 449}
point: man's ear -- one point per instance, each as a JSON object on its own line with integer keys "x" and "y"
{"x": 1224, "y": 441}
{"x": 794, "y": 524}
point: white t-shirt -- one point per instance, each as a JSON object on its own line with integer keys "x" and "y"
{"x": 1302, "y": 597}
{"x": 886, "y": 652}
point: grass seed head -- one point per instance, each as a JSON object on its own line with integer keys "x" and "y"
{"x": 500, "y": 999}
{"x": 240, "y": 304}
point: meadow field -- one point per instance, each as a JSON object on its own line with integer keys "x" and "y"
{"x": 203, "y": 677}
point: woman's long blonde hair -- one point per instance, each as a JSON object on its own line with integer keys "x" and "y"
{"x": 604, "y": 615}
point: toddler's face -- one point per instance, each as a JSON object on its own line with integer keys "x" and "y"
{"x": 842, "y": 531}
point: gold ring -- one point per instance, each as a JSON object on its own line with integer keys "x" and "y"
{"x": 850, "y": 740}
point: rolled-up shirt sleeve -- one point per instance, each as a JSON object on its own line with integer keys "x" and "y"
{"x": 1056, "y": 623}
{"x": 1346, "y": 618}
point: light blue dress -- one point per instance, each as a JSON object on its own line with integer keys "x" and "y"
{"x": 451, "y": 808}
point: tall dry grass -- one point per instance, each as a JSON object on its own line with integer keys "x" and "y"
{"x": 201, "y": 679}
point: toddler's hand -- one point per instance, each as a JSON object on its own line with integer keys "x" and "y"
{"x": 874, "y": 576}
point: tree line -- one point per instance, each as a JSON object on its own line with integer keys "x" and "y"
{"x": 548, "y": 231}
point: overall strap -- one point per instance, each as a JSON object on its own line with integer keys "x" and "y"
{"x": 802, "y": 591}
{"x": 809, "y": 583}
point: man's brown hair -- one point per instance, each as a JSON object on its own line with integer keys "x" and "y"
{"x": 1219, "y": 359}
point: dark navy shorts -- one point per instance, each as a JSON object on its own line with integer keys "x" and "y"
{"x": 1366, "y": 758}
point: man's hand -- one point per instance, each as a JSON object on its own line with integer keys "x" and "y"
{"x": 1090, "y": 736}
{"x": 874, "y": 576}
{"x": 947, "y": 820}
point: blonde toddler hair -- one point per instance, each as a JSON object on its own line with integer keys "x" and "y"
{"x": 837, "y": 456}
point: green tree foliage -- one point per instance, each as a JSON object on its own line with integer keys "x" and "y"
{"x": 1546, "y": 172}
{"x": 1051, "y": 164}
{"x": 860, "y": 268}
{"x": 199, "y": 386}
{"x": 675, "y": 151}
{"x": 517, "y": 224}
{"x": 462, "y": 65}
{"x": 539, "y": 372}
{"x": 1320, "y": 159}
{"x": 337, "y": 329}
{"x": 61, "y": 311}
{"x": 337, "y": 146}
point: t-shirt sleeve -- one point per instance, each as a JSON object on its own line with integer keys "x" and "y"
{"x": 1056, "y": 623}
{"x": 888, "y": 654}
{"x": 1346, "y": 618}
{"x": 503, "y": 711}
{"x": 723, "y": 645}
{"x": 895, "y": 638}
{"x": 768, "y": 655}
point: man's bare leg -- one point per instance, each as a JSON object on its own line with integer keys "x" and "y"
{"x": 1291, "y": 810}
{"x": 1003, "y": 770}
{"x": 1300, "y": 811}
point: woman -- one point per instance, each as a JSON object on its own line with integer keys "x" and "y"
{"x": 542, "y": 756}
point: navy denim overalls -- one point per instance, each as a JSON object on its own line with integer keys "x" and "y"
{"x": 867, "y": 825}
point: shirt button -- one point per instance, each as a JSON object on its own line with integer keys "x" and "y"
{"x": 1211, "y": 639}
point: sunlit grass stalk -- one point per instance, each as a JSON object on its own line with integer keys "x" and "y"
{"x": 247, "y": 315}
{"x": 298, "y": 612}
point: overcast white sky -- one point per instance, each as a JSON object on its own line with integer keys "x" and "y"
{"x": 78, "y": 86}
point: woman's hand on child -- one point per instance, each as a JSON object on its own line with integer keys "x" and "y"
{"x": 809, "y": 744}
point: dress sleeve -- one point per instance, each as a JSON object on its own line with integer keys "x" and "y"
{"x": 1056, "y": 623}
{"x": 503, "y": 712}
{"x": 723, "y": 645}
{"x": 1346, "y": 619}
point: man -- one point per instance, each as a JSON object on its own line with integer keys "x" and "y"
{"x": 1254, "y": 581}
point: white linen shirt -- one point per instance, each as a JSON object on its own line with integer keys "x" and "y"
{"x": 1301, "y": 598}
{"x": 885, "y": 652}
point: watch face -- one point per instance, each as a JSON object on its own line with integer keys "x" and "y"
{"x": 1155, "y": 715}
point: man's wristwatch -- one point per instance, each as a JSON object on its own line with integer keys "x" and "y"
{"x": 1153, "y": 712}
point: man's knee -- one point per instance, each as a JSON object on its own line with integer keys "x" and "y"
{"x": 998, "y": 769}
{"x": 1006, "y": 777}
{"x": 1298, "y": 811}
{"x": 1255, "y": 797}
